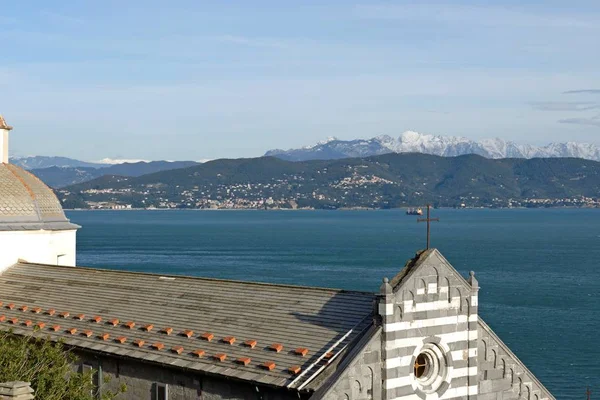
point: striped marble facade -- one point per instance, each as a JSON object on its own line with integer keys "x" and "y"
{"x": 431, "y": 305}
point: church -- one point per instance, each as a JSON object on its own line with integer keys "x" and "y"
{"x": 175, "y": 337}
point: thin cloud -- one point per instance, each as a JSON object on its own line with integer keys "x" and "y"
{"x": 564, "y": 106}
{"x": 594, "y": 121}
{"x": 587, "y": 91}
{"x": 475, "y": 15}
{"x": 252, "y": 42}
{"x": 62, "y": 18}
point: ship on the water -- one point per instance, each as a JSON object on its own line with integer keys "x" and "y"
{"x": 414, "y": 211}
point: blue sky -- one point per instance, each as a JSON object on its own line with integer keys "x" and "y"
{"x": 211, "y": 79}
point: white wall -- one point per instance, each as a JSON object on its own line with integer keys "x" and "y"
{"x": 44, "y": 247}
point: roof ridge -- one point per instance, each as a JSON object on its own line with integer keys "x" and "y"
{"x": 325, "y": 289}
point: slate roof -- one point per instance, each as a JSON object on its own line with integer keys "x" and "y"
{"x": 322, "y": 321}
{"x": 27, "y": 203}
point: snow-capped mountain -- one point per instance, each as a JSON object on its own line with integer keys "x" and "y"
{"x": 448, "y": 146}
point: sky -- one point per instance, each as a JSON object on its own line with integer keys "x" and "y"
{"x": 194, "y": 80}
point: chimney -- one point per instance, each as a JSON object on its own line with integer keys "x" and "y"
{"x": 4, "y": 129}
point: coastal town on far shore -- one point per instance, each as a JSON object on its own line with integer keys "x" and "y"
{"x": 234, "y": 198}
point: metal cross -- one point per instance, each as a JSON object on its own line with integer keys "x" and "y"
{"x": 428, "y": 220}
{"x": 418, "y": 367}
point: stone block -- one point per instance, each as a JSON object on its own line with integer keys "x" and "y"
{"x": 485, "y": 387}
{"x": 495, "y": 374}
{"x": 16, "y": 390}
{"x": 371, "y": 357}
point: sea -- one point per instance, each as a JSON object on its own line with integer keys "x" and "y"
{"x": 538, "y": 269}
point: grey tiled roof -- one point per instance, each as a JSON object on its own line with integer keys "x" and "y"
{"x": 25, "y": 201}
{"x": 324, "y": 321}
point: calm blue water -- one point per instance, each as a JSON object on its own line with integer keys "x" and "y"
{"x": 539, "y": 270}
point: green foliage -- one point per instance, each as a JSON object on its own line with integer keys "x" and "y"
{"x": 48, "y": 366}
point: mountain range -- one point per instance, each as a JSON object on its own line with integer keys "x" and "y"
{"x": 447, "y": 146}
{"x": 61, "y": 176}
{"x": 385, "y": 181}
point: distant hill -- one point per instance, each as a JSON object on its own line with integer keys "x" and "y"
{"x": 384, "y": 181}
{"x": 448, "y": 146}
{"x": 37, "y": 162}
{"x": 58, "y": 177}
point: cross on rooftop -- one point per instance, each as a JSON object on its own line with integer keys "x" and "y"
{"x": 428, "y": 220}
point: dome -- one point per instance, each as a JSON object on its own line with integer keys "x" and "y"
{"x": 26, "y": 203}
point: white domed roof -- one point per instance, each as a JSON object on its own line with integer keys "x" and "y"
{"x": 27, "y": 203}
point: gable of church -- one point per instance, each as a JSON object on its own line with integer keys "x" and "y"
{"x": 429, "y": 317}
{"x": 436, "y": 347}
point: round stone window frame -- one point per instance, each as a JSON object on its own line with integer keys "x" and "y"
{"x": 438, "y": 372}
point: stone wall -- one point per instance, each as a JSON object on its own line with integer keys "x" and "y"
{"x": 141, "y": 380}
{"x": 359, "y": 377}
{"x": 501, "y": 375}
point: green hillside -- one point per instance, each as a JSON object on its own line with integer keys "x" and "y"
{"x": 386, "y": 181}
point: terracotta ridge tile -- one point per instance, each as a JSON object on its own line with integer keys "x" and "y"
{"x": 276, "y": 347}
{"x": 243, "y": 360}
{"x": 158, "y": 346}
{"x": 294, "y": 370}
{"x": 228, "y": 339}
{"x": 198, "y": 352}
{"x": 268, "y": 365}
{"x": 301, "y": 351}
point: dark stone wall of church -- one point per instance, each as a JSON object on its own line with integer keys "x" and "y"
{"x": 361, "y": 380}
{"x": 141, "y": 380}
{"x": 501, "y": 375}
